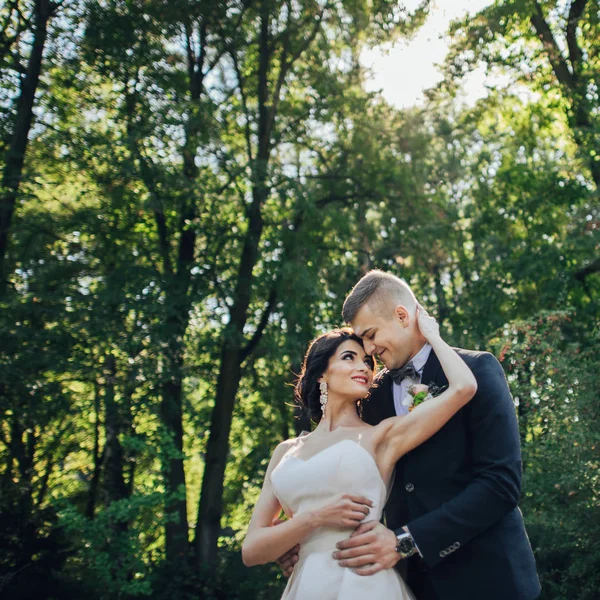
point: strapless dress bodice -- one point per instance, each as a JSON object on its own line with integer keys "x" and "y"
{"x": 307, "y": 484}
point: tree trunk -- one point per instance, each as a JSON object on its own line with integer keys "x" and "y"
{"x": 584, "y": 133}
{"x": 176, "y": 281}
{"x": 234, "y": 349}
{"x": 114, "y": 481}
{"x": 15, "y": 155}
{"x": 300, "y": 344}
{"x": 572, "y": 79}
{"x": 90, "y": 509}
{"x": 23, "y": 451}
{"x": 211, "y": 499}
{"x": 442, "y": 306}
{"x": 179, "y": 302}
{"x": 176, "y": 529}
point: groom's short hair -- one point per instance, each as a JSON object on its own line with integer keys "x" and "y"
{"x": 378, "y": 289}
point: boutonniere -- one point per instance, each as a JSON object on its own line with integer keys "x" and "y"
{"x": 419, "y": 393}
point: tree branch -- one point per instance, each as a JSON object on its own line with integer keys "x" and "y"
{"x": 575, "y": 54}
{"x": 247, "y": 132}
{"x": 202, "y": 33}
{"x": 593, "y": 267}
{"x": 163, "y": 238}
{"x": 557, "y": 60}
{"x": 162, "y": 229}
{"x": 232, "y": 177}
{"x": 7, "y": 41}
{"x": 264, "y": 320}
{"x": 264, "y": 60}
{"x": 344, "y": 198}
{"x": 189, "y": 50}
{"x": 286, "y": 64}
{"x": 52, "y": 447}
{"x": 227, "y": 47}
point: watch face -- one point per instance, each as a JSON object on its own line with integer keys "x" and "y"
{"x": 406, "y": 545}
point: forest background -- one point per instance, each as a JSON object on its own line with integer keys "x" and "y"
{"x": 189, "y": 189}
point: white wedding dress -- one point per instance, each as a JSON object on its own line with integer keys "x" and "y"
{"x": 305, "y": 483}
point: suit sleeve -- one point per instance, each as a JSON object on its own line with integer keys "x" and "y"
{"x": 496, "y": 458}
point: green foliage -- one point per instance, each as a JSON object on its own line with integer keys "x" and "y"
{"x": 230, "y": 580}
{"x": 35, "y": 548}
{"x": 112, "y": 546}
{"x": 138, "y": 209}
{"x": 551, "y": 362}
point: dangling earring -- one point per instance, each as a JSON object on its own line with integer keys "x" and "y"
{"x": 323, "y": 399}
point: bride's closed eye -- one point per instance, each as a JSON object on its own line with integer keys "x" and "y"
{"x": 368, "y": 360}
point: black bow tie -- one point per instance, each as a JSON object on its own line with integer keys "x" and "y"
{"x": 408, "y": 370}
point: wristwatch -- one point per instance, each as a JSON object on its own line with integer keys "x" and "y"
{"x": 406, "y": 545}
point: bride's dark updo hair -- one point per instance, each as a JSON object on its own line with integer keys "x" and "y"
{"x": 307, "y": 389}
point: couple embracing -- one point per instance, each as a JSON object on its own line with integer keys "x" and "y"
{"x": 430, "y": 443}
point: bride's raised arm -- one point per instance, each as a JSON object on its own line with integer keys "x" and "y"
{"x": 264, "y": 543}
{"x": 399, "y": 435}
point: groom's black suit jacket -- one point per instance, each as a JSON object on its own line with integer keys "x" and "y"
{"x": 458, "y": 492}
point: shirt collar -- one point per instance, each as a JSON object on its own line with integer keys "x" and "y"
{"x": 421, "y": 357}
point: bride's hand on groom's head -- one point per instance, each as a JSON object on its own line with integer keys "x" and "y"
{"x": 428, "y": 326}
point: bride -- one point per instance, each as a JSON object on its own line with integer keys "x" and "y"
{"x": 331, "y": 480}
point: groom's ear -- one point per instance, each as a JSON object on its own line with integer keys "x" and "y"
{"x": 402, "y": 315}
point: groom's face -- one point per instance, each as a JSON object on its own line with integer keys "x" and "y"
{"x": 384, "y": 335}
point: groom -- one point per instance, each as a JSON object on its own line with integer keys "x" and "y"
{"x": 452, "y": 515}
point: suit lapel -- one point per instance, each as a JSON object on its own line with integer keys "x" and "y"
{"x": 390, "y": 409}
{"x": 431, "y": 370}
{"x": 387, "y": 409}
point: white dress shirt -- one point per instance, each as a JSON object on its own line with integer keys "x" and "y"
{"x": 401, "y": 390}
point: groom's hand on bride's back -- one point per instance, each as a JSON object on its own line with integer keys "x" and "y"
{"x": 290, "y": 558}
{"x": 370, "y": 548}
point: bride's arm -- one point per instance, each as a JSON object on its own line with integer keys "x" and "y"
{"x": 398, "y": 435}
{"x": 265, "y": 542}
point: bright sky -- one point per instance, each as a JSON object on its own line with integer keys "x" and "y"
{"x": 403, "y": 71}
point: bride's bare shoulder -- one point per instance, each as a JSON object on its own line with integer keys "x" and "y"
{"x": 281, "y": 450}
{"x": 284, "y": 446}
{"x": 289, "y": 445}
